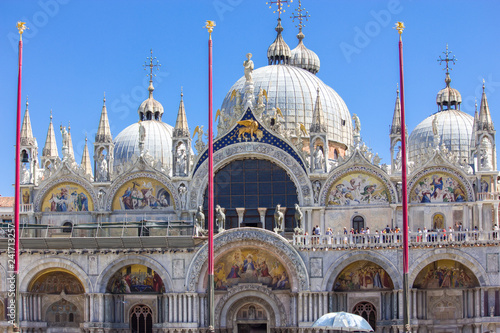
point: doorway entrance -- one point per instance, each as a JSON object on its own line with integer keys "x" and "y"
{"x": 252, "y": 328}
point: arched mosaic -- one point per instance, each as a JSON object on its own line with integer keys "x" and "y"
{"x": 363, "y": 275}
{"x": 439, "y": 185}
{"x": 445, "y": 274}
{"x": 55, "y": 282}
{"x": 142, "y": 193}
{"x": 250, "y": 265}
{"x": 357, "y": 185}
{"x": 67, "y": 197}
{"x": 157, "y": 184}
{"x": 76, "y": 184}
{"x": 135, "y": 279}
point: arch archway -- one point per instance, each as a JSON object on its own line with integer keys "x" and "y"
{"x": 64, "y": 314}
{"x": 254, "y": 184}
{"x": 141, "y": 319}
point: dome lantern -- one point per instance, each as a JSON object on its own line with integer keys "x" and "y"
{"x": 150, "y": 109}
{"x": 301, "y": 56}
{"x": 448, "y": 98}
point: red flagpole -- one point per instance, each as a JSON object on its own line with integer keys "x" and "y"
{"x": 20, "y": 26}
{"x": 406, "y": 305}
{"x": 211, "y": 309}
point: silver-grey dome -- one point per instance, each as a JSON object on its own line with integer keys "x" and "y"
{"x": 158, "y": 142}
{"x": 454, "y": 129}
{"x": 293, "y": 90}
{"x": 304, "y": 58}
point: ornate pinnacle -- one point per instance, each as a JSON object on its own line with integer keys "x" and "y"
{"x": 210, "y": 27}
{"x": 21, "y": 26}
{"x": 279, "y": 3}
{"x": 300, "y": 16}
{"x": 447, "y": 60}
{"x": 151, "y": 65}
{"x": 400, "y": 26}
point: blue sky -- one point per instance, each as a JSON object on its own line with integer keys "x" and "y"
{"x": 77, "y": 50}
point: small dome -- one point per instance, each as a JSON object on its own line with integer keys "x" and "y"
{"x": 448, "y": 97}
{"x": 454, "y": 130}
{"x": 278, "y": 52}
{"x": 294, "y": 91}
{"x": 150, "y": 109}
{"x": 304, "y": 58}
{"x": 158, "y": 142}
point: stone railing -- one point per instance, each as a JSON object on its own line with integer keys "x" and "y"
{"x": 26, "y": 208}
{"x": 389, "y": 240}
{"x": 487, "y": 196}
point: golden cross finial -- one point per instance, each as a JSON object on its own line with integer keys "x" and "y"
{"x": 21, "y": 26}
{"x": 400, "y": 26}
{"x": 210, "y": 27}
{"x": 300, "y": 16}
{"x": 447, "y": 60}
{"x": 151, "y": 66}
{"x": 279, "y": 3}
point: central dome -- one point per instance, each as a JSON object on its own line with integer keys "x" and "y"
{"x": 158, "y": 142}
{"x": 294, "y": 91}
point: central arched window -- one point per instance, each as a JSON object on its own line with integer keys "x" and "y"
{"x": 141, "y": 319}
{"x": 367, "y": 311}
{"x": 358, "y": 223}
{"x": 253, "y": 184}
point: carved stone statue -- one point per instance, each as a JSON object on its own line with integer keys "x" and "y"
{"x": 200, "y": 221}
{"x": 65, "y": 142}
{"x": 316, "y": 190}
{"x": 278, "y": 219}
{"x": 376, "y": 159}
{"x": 183, "y": 195}
{"x": 357, "y": 124}
{"x": 319, "y": 158}
{"x": 25, "y": 175}
{"x": 398, "y": 162}
{"x": 181, "y": 160}
{"x": 102, "y": 172}
{"x": 435, "y": 131}
{"x": 248, "y": 64}
{"x": 298, "y": 216}
{"x": 220, "y": 218}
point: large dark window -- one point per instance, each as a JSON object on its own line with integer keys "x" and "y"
{"x": 253, "y": 184}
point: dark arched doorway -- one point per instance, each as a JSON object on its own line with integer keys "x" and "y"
{"x": 358, "y": 223}
{"x": 141, "y": 319}
{"x": 254, "y": 184}
{"x": 367, "y": 311}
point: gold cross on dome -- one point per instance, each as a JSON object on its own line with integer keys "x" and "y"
{"x": 279, "y": 3}
{"x": 300, "y": 16}
{"x": 447, "y": 60}
{"x": 151, "y": 65}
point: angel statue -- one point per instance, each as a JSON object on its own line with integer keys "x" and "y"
{"x": 199, "y": 145}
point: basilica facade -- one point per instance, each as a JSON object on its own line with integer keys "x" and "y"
{"x": 308, "y": 219}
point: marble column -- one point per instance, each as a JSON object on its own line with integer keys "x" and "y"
{"x": 495, "y": 213}
{"x": 322, "y": 222}
{"x": 480, "y": 216}
{"x": 241, "y": 215}
{"x": 101, "y": 308}
{"x": 300, "y": 308}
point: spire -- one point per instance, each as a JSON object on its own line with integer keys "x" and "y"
{"x": 396, "y": 118}
{"x": 181, "y": 124}
{"x": 50, "y": 148}
{"x": 103, "y": 134}
{"x": 475, "y": 125}
{"x": 318, "y": 124}
{"x": 71, "y": 153}
{"x": 27, "y": 138}
{"x": 484, "y": 113}
{"x": 86, "y": 166}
